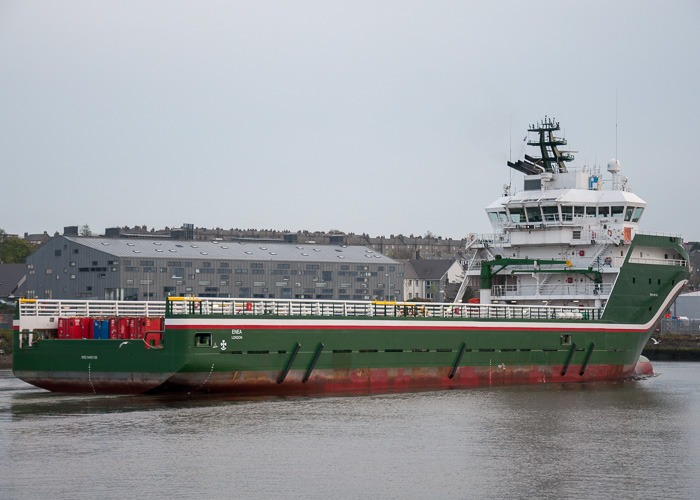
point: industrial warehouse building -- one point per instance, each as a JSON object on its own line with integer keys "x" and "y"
{"x": 74, "y": 267}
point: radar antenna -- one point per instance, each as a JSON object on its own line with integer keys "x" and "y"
{"x": 551, "y": 158}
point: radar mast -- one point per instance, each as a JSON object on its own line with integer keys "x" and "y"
{"x": 551, "y": 159}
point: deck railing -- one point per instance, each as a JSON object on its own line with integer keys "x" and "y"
{"x": 90, "y": 308}
{"x": 176, "y": 306}
{"x": 658, "y": 261}
{"x": 279, "y": 307}
{"x": 571, "y": 290}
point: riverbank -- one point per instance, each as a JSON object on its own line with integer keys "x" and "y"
{"x": 5, "y": 348}
{"x": 673, "y": 347}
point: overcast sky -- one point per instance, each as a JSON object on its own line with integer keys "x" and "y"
{"x": 382, "y": 117}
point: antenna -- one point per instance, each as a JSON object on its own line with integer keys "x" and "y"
{"x": 510, "y": 138}
{"x": 616, "y": 123}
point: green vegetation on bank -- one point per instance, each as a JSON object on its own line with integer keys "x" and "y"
{"x": 14, "y": 250}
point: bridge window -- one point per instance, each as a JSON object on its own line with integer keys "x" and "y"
{"x": 590, "y": 211}
{"x": 628, "y": 213}
{"x": 566, "y": 213}
{"x": 551, "y": 214}
{"x": 517, "y": 215}
{"x": 533, "y": 214}
{"x": 637, "y": 214}
{"x": 603, "y": 211}
{"x": 617, "y": 211}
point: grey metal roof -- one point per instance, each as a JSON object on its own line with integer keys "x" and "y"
{"x": 178, "y": 249}
{"x": 427, "y": 269}
{"x": 12, "y": 279}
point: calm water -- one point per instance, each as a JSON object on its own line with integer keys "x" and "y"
{"x": 636, "y": 440}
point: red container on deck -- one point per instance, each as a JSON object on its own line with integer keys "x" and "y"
{"x": 113, "y": 328}
{"x": 62, "y": 328}
{"x": 132, "y": 328}
{"x": 122, "y": 328}
{"x": 150, "y": 325}
{"x": 89, "y": 329}
{"x": 77, "y": 328}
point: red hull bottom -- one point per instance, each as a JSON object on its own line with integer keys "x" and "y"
{"x": 359, "y": 381}
{"x": 643, "y": 367}
{"x": 378, "y": 380}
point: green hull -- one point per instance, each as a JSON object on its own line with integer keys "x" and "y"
{"x": 287, "y": 354}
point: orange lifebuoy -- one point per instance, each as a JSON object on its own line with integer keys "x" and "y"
{"x": 609, "y": 232}
{"x": 248, "y": 306}
{"x": 456, "y": 310}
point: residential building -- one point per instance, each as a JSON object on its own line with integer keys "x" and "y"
{"x": 430, "y": 279}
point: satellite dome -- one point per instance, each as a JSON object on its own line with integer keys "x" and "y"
{"x": 614, "y": 166}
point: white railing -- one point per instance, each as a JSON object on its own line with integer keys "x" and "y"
{"x": 278, "y": 307}
{"x": 89, "y": 308}
{"x": 652, "y": 233}
{"x": 659, "y": 262}
{"x": 494, "y": 239}
{"x": 560, "y": 289}
{"x": 318, "y": 308}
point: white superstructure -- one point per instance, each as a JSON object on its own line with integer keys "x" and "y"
{"x": 562, "y": 215}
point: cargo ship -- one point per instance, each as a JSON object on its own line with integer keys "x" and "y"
{"x": 569, "y": 291}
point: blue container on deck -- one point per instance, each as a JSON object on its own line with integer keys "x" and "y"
{"x": 101, "y": 329}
